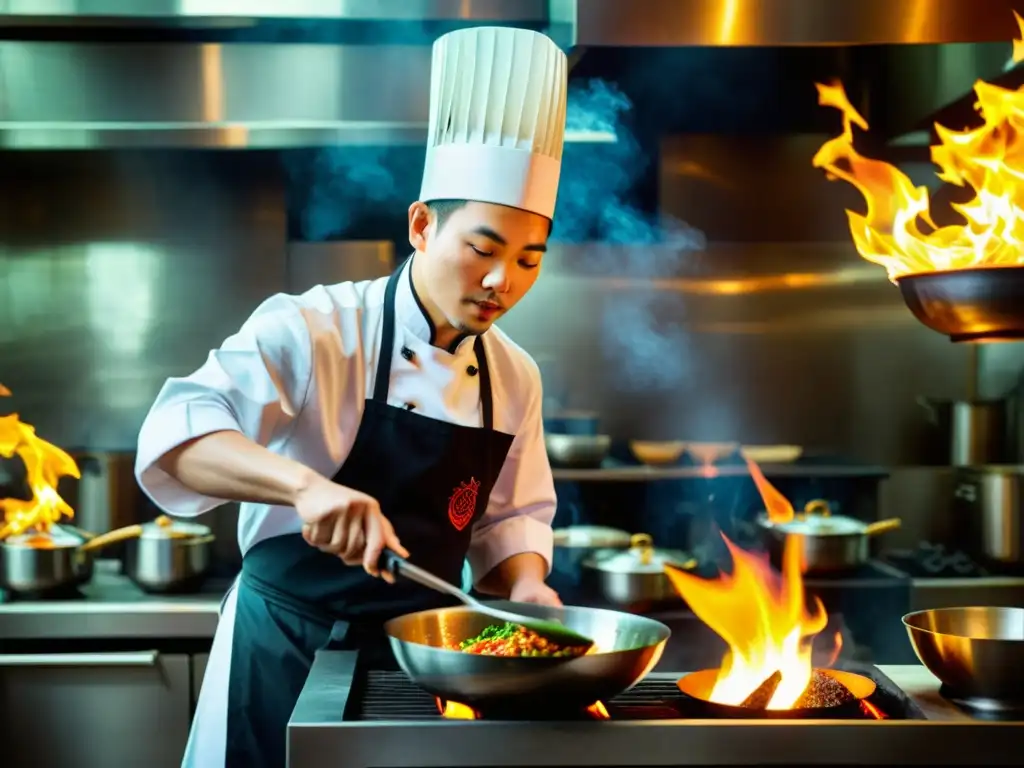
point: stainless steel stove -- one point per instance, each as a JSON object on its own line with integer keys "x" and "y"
{"x": 362, "y": 715}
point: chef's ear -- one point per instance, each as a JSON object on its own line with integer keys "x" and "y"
{"x": 420, "y": 220}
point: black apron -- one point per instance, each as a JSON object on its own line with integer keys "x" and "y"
{"x": 432, "y": 479}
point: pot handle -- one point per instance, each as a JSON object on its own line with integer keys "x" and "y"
{"x": 818, "y": 507}
{"x": 645, "y": 544}
{"x": 883, "y": 526}
{"x": 112, "y": 537}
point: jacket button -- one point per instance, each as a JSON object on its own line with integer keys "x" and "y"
{"x": 408, "y": 354}
{"x": 472, "y": 370}
{"x": 410, "y": 406}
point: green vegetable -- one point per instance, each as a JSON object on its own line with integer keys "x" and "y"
{"x": 493, "y": 632}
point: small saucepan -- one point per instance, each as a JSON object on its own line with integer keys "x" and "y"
{"x": 162, "y": 556}
{"x": 40, "y": 565}
{"x": 636, "y": 577}
{"x": 576, "y": 543}
{"x": 830, "y": 543}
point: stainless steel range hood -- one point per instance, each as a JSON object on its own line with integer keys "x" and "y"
{"x": 237, "y": 74}
{"x": 90, "y": 74}
{"x": 792, "y": 22}
{"x": 590, "y": 22}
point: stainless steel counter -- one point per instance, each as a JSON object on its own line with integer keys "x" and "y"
{"x": 112, "y": 607}
{"x": 317, "y": 735}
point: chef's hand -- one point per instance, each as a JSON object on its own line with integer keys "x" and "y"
{"x": 531, "y": 590}
{"x": 343, "y": 521}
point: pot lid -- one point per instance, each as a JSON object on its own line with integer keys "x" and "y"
{"x": 165, "y": 527}
{"x": 591, "y": 536}
{"x": 55, "y": 538}
{"x": 641, "y": 557}
{"x": 837, "y": 525}
{"x": 817, "y": 519}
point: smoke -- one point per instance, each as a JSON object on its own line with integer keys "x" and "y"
{"x": 640, "y": 328}
{"x": 341, "y": 186}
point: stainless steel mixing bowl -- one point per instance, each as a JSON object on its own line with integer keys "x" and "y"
{"x": 977, "y": 653}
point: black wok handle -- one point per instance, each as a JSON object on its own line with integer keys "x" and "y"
{"x": 396, "y": 565}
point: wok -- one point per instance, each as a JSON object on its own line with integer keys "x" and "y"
{"x": 627, "y": 649}
{"x": 977, "y": 304}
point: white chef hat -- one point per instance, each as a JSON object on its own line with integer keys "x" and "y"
{"x": 497, "y": 119}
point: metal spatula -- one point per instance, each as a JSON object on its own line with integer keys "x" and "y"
{"x": 551, "y": 630}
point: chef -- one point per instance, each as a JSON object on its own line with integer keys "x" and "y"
{"x": 386, "y": 413}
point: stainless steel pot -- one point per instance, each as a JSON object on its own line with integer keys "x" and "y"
{"x": 988, "y": 501}
{"x": 163, "y": 556}
{"x": 830, "y": 543}
{"x": 974, "y": 432}
{"x": 41, "y": 565}
{"x": 636, "y": 576}
{"x": 576, "y": 543}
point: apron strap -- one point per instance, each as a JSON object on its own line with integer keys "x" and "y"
{"x": 387, "y": 344}
{"x": 486, "y": 403}
{"x": 387, "y": 339}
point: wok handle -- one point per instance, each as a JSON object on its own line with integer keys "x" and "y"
{"x": 397, "y": 565}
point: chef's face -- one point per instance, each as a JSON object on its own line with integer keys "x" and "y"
{"x": 479, "y": 259}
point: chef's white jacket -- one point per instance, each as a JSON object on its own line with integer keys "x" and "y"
{"x": 295, "y": 377}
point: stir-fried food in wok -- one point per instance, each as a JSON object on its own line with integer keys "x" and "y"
{"x": 514, "y": 640}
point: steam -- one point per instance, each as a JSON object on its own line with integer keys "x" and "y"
{"x": 343, "y": 185}
{"x": 640, "y": 328}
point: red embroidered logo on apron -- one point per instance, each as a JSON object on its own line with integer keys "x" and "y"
{"x": 462, "y": 504}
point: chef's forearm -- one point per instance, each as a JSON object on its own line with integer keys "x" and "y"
{"x": 228, "y": 465}
{"x": 501, "y": 578}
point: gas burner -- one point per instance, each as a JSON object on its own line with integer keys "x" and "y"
{"x": 935, "y": 561}
{"x": 385, "y": 695}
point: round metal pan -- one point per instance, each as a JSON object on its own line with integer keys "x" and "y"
{"x": 985, "y": 303}
{"x": 697, "y": 686}
{"x": 627, "y": 649}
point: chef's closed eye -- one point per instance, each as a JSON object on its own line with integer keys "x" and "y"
{"x": 480, "y": 250}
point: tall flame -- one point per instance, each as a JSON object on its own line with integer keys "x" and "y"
{"x": 45, "y": 464}
{"x": 761, "y": 615}
{"x": 777, "y": 506}
{"x": 898, "y": 231}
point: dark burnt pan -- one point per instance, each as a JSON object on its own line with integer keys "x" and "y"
{"x": 985, "y": 304}
{"x": 697, "y": 686}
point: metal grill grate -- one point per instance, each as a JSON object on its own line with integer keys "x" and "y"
{"x": 391, "y": 696}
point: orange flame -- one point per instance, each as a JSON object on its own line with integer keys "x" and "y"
{"x": 898, "y": 231}
{"x": 45, "y": 464}
{"x": 761, "y": 615}
{"x": 776, "y": 505}
{"x": 452, "y": 710}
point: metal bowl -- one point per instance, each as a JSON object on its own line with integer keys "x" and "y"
{"x": 577, "y": 450}
{"x": 656, "y": 454}
{"x": 984, "y": 304}
{"x": 977, "y": 653}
